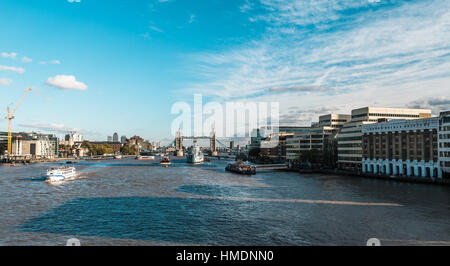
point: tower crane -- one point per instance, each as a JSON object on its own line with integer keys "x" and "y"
{"x": 10, "y": 117}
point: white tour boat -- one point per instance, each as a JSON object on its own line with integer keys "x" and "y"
{"x": 60, "y": 174}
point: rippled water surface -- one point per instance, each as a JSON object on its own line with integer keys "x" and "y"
{"x": 129, "y": 202}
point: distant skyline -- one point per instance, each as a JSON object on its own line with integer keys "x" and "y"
{"x": 99, "y": 67}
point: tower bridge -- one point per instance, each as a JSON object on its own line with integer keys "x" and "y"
{"x": 213, "y": 141}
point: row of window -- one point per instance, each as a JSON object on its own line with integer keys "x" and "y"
{"x": 350, "y": 132}
{"x": 353, "y": 159}
{"x": 349, "y": 138}
{"x": 350, "y": 145}
{"x": 350, "y": 152}
{"x": 444, "y": 145}
{"x": 445, "y": 164}
{"x": 444, "y": 154}
{"x": 384, "y": 115}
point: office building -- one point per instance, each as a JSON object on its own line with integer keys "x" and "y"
{"x": 350, "y": 137}
{"x": 320, "y": 136}
{"x": 35, "y": 145}
{"x": 279, "y": 151}
{"x": 401, "y": 148}
{"x": 72, "y": 138}
{"x": 444, "y": 143}
{"x": 115, "y": 137}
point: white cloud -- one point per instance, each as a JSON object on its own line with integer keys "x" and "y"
{"x": 9, "y": 55}
{"x": 52, "y": 62}
{"x": 13, "y": 69}
{"x": 5, "y": 81}
{"x": 27, "y": 59}
{"x": 154, "y": 28}
{"x": 191, "y": 18}
{"x": 390, "y": 56}
{"x": 51, "y": 127}
{"x": 66, "y": 82}
{"x": 246, "y": 6}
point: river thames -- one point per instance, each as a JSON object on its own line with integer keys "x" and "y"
{"x": 130, "y": 202}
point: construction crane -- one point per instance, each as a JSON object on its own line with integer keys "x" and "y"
{"x": 10, "y": 117}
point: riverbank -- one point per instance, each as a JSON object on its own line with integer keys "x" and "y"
{"x": 409, "y": 179}
{"x": 30, "y": 161}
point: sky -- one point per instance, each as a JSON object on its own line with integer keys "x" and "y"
{"x": 99, "y": 67}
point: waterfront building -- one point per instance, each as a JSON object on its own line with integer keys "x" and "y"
{"x": 72, "y": 138}
{"x": 279, "y": 152}
{"x": 401, "y": 148}
{"x": 3, "y": 142}
{"x": 320, "y": 137}
{"x": 444, "y": 143}
{"x": 115, "y": 137}
{"x": 110, "y": 139}
{"x": 350, "y": 136}
{"x": 123, "y": 139}
{"x": 35, "y": 145}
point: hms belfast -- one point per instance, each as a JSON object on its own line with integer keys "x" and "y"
{"x": 195, "y": 155}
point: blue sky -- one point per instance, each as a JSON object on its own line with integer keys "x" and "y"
{"x": 118, "y": 66}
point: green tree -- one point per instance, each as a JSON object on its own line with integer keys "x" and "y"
{"x": 128, "y": 150}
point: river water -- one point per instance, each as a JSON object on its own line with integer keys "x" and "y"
{"x": 130, "y": 202}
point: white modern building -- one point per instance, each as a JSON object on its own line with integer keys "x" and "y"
{"x": 35, "y": 145}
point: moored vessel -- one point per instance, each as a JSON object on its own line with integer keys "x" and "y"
{"x": 195, "y": 155}
{"x": 241, "y": 168}
{"x": 141, "y": 157}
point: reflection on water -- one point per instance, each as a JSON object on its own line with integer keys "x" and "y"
{"x": 139, "y": 202}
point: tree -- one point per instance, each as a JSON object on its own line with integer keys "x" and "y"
{"x": 97, "y": 149}
{"x": 128, "y": 150}
{"x": 2, "y": 149}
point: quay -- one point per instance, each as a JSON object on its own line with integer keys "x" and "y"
{"x": 409, "y": 179}
{"x": 26, "y": 159}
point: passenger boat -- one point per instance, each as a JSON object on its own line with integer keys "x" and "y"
{"x": 241, "y": 168}
{"x": 141, "y": 157}
{"x": 118, "y": 157}
{"x": 195, "y": 155}
{"x": 165, "y": 161}
{"x": 60, "y": 174}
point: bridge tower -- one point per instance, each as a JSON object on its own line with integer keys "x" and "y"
{"x": 212, "y": 143}
{"x": 179, "y": 143}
